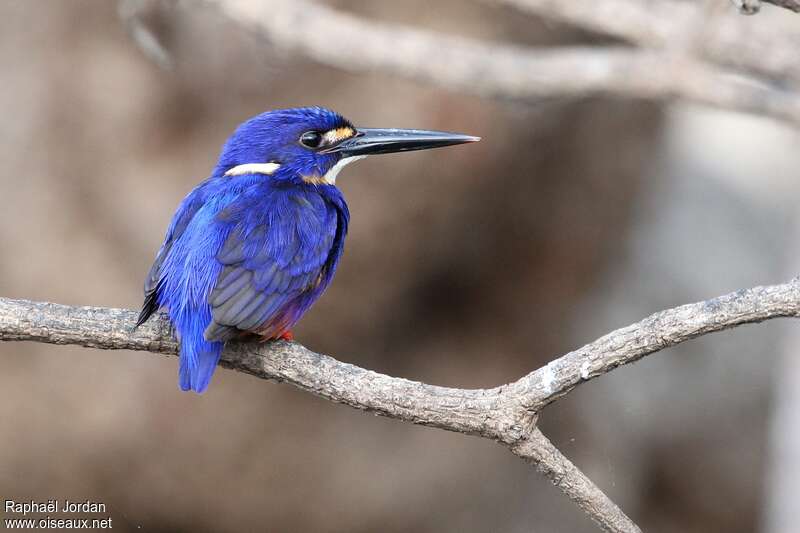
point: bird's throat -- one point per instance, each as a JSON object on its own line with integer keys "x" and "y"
{"x": 329, "y": 178}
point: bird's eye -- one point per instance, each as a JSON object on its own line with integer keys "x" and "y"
{"x": 311, "y": 139}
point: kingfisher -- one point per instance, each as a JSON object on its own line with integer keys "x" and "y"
{"x": 252, "y": 247}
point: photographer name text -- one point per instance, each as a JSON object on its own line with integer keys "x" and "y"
{"x": 53, "y": 506}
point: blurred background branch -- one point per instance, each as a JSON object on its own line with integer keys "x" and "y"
{"x": 751, "y": 7}
{"x": 660, "y": 67}
{"x": 738, "y": 42}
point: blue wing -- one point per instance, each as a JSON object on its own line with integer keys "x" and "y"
{"x": 278, "y": 258}
{"x": 154, "y": 283}
{"x": 244, "y": 259}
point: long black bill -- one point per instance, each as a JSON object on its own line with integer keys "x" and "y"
{"x": 370, "y": 141}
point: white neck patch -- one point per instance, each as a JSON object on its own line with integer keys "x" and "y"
{"x": 253, "y": 168}
{"x": 330, "y": 176}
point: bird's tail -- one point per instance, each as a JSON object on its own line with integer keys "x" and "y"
{"x": 198, "y": 360}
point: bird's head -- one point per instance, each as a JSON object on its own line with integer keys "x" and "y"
{"x": 312, "y": 144}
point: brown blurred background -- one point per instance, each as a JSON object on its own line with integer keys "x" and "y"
{"x": 465, "y": 267}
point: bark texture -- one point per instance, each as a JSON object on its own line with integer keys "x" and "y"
{"x": 506, "y": 413}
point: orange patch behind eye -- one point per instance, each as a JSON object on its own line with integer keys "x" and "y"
{"x": 339, "y": 134}
{"x": 314, "y": 179}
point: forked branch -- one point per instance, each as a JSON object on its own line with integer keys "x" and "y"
{"x": 506, "y": 414}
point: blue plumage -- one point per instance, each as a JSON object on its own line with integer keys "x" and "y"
{"x": 251, "y": 248}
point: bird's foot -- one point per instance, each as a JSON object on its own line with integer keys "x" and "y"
{"x": 285, "y": 336}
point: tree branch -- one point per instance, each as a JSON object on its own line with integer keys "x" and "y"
{"x": 653, "y": 23}
{"x": 661, "y": 24}
{"x": 500, "y": 70}
{"x": 791, "y": 5}
{"x": 751, "y": 7}
{"x": 548, "y": 460}
{"x": 657, "y": 332}
{"x": 506, "y": 413}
